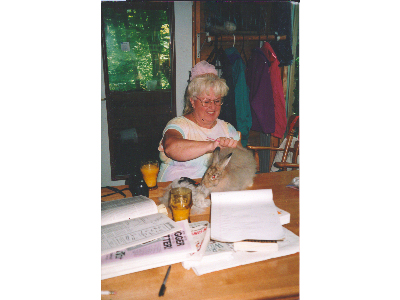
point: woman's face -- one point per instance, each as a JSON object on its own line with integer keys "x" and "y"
{"x": 206, "y": 115}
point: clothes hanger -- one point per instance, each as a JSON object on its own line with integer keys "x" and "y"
{"x": 214, "y": 51}
{"x": 242, "y": 51}
{"x": 218, "y": 55}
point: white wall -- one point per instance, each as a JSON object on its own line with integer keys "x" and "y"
{"x": 183, "y": 46}
{"x": 183, "y": 42}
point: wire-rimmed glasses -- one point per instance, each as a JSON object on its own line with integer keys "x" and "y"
{"x": 207, "y": 102}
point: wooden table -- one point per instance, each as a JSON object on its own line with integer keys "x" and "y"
{"x": 276, "y": 278}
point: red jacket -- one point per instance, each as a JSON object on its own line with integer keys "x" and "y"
{"x": 277, "y": 90}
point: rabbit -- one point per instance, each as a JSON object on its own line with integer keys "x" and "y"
{"x": 199, "y": 193}
{"x": 231, "y": 169}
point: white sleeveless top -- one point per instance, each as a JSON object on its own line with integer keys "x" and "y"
{"x": 195, "y": 168}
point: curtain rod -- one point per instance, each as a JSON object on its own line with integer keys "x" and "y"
{"x": 234, "y": 37}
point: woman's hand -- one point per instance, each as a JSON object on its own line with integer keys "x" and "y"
{"x": 225, "y": 142}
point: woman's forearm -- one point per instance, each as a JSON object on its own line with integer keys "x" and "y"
{"x": 180, "y": 149}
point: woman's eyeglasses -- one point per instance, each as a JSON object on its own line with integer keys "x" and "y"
{"x": 207, "y": 102}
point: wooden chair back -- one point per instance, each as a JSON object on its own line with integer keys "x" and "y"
{"x": 295, "y": 150}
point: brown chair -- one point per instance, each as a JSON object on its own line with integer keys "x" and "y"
{"x": 283, "y": 165}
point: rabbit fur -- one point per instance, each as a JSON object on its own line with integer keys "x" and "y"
{"x": 231, "y": 169}
{"x": 199, "y": 193}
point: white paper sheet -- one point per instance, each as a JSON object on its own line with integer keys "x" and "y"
{"x": 241, "y": 215}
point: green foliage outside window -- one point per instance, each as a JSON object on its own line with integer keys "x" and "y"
{"x": 138, "y": 48}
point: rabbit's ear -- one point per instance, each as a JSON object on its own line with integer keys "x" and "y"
{"x": 224, "y": 162}
{"x": 215, "y": 157}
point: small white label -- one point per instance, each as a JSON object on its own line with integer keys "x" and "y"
{"x": 125, "y": 46}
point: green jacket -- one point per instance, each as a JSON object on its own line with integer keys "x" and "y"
{"x": 243, "y": 112}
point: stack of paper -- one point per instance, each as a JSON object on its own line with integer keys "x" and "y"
{"x": 255, "y": 245}
{"x": 284, "y": 216}
{"x": 242, "y": 215}
{"x": 289, "y": 245}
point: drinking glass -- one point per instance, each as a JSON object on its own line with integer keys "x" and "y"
{"x": 149, "y": 169}
{"x": 180, "y": 203}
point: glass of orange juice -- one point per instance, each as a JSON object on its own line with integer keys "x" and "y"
{"x": 149, "y": 169}
{"x": 180, "y": 203}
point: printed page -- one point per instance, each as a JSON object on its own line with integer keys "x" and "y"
{"x": 179, "y": 242}
{"x": 241, "y": 215}
{"x": 127, "y": 208}
{"x": 201, "y": 237}
{"x": 169, "y": 249}
{"x": 133, "y": 232}
{"x": 216, "y": 249}
{"x": 215, "y": 252}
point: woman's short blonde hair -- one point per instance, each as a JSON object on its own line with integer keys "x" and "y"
{"x": 201, "y": 85}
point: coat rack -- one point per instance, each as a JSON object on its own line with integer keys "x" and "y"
{"x": 231, "y": 38}
{"x": 238, "y": 37}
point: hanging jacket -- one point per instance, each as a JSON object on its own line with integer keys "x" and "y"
{"x": 228, "y": 109}
{"x": 277, "y": 91}
{"x": 243, "y": 111}
{"x": 261, "y": 96}
{"x": 281, "y": 23}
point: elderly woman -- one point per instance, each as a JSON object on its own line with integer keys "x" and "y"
{"x": 189, "y": 140}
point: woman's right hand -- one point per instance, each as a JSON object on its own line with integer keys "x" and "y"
{"x": 224, "y": 142}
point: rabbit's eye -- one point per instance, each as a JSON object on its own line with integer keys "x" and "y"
{"x": 213, "y": 177}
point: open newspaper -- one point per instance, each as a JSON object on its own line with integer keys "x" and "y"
{"x": 169, "y": 249}
{"x": 132, "y": 221}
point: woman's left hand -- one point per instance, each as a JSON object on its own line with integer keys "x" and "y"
{"x": 227, "y": 142}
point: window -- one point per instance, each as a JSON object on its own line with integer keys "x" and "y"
{"x": 138, "y": 63}
{"x": 138, "y": 48}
